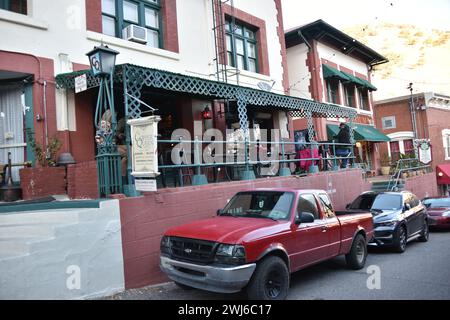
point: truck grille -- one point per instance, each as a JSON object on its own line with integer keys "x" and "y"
{"x": 193, "y": 250}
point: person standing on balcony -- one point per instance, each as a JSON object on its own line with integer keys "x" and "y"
{"x": 343, "y": 137}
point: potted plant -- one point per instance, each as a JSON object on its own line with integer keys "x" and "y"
{"x": 45, "y": 179}
{"x": 385, "y": 162}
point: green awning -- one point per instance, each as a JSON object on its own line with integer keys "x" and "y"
{"x": 368, "y": 85}
{"x": 355, "y": 80}
{"x": 330, "y": 72}
{"x": 332, "y": 130}
{"x": 360, "y": 82}
{"x": 361, "y": 133}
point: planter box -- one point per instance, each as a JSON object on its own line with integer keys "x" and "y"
{"x": 42, "y": 182}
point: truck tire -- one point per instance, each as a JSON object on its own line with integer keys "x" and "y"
{"x": 425, "y": 234}
{"x": 356, "y": 258}
{"x": 400, "y": 239}
{"x": 270, "y": 280}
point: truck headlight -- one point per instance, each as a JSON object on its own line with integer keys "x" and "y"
{"x": 230, "y": 254}
{"x": 165, "y": 245}
{"x": 446, "y": 214}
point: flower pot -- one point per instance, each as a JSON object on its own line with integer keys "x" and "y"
{"x": 385, "y": 171}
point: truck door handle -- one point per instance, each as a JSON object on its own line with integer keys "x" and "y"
{"x": 324, "y": 229}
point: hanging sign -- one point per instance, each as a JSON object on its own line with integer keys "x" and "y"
{"x": 81, "y": 83}
{"x": 425, "y": 152}
{"x": 144, "y": 149}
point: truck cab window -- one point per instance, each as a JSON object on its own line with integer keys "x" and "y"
{"x": 307, "y": 203}
{"x": 326, "y": 205}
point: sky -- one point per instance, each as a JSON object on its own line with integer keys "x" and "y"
{"x": 346, "y": 13}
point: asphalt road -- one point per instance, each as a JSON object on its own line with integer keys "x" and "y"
{"x": 422, "y": 272}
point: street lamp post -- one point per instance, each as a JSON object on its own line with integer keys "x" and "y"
{"x": 103, "y": 60}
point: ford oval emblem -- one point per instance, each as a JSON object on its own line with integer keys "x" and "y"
{"x": 188, "y": 251}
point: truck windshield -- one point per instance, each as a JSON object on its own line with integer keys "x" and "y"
{"x": 269, "y": 205}
{"x": 387, "y": 202}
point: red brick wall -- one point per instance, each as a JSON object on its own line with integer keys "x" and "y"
{"x": 145, "y": 219}
{"x": 430, "y": 124}
{"x": 42, "y": 182}
{"x": 82, "y": 181}
{"x": 437, "y": 120}
{"x": 94, "y": 15}
{"x": 170, "y": 25}
{"x": 398, "y": 109}
{"x": 261, "y": 35}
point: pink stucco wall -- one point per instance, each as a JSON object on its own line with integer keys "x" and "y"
{"x": 423, "y": 186}
{"x": 145, "y": 219}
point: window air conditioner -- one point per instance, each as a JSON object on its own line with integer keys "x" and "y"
{"x": 135, "y": 33}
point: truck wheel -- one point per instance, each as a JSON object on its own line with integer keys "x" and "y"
{"x": 356, "y": 258}
{"x": 425, "y": 234}
{"x": 183, "y": 286}
{"x": 270, "y": 280}
{"x": 400, "y": 239}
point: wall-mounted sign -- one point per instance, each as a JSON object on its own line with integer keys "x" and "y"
{"x": 144, "y": 150}
{"x": 425, "y": 155}
{"x": 81, "y": 83}
{"x": 146, "y": 185}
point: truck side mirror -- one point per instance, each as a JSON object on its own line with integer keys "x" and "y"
{"x": 347, "y": 207}
{"x": 304, "y": 217}
{"x": 219, "y": 212}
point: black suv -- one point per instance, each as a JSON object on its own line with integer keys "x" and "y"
{"x": 398, "y": 217}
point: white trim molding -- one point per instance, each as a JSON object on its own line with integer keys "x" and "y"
{"x": 446, "y": 143}
{"x": 99, "y": 37}
{"x": 401, "y": 135}
{"x": 22, "y": 19}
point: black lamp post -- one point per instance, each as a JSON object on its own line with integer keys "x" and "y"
{"x": 103, "y": 62}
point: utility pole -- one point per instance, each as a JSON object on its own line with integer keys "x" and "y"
{"x": 413, "y": 111}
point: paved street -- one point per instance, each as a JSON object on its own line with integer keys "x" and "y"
{"x": 422, "y": 272}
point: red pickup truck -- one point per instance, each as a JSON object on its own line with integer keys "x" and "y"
{"x": 259, "y": 239}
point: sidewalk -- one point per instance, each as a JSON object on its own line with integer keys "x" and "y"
{"x": 170, "y": 291}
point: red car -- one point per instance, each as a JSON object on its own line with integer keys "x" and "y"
{"x": 260, "y": 238}
{"x": 438, "y": 212}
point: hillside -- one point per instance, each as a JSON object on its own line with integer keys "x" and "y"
{"x": 417, "y": 55}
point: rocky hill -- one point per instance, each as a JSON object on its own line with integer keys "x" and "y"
{"x": 417, "y": 55}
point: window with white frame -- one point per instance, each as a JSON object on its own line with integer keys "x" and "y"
{"x": 388, "y": 122}
{"x": 446, "y": 142}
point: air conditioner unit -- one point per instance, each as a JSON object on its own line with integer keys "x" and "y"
{"x": 135, "y": 33}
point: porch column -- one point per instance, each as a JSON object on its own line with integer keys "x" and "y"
{"x": 312, "y": 139}
{"x": 352, "y": 141}
{"x": 248, "y": 174}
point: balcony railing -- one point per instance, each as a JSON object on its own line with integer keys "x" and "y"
{"x": 216, "y": 161}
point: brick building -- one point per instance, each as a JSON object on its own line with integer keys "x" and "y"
{"x": 432, "y": 121}
{"x": 329, "y": 66}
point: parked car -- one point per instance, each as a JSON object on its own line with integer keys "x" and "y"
{"x": 438, "y": 212}
{"x": 259, "y": 239}
{"x": 398, "y": 217}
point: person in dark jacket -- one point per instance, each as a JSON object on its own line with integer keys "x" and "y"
{"x": 343, "y": 137}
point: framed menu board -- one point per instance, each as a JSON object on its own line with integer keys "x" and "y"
{"x": 144, "y": 149}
